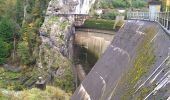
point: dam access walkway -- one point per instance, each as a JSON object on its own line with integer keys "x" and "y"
{"x": 78, "y": 18}
{"x": 139, "y": 40}
{"x": 162, "y": 18}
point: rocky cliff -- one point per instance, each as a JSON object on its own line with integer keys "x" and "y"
{"x": 57, "y": 35}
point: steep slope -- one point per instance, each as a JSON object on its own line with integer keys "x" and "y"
{"x": 138, "y": 50}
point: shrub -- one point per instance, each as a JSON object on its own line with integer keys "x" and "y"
{"x": 138, "y": 3}
{"x": 109, "y": 16}
{"x": 120, "y": 4}
{"x": 99, "y": 24}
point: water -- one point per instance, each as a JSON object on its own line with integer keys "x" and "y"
{"x": 83, "y": 6}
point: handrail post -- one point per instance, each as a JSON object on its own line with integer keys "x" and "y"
{"x": 127, "y": 15}
{"x": 135, "y": 15}
{"x": 161, "y": 17}
{"x": 167, "y": 20}
{"x": 154, "y": 17}
{"x": 131, "y": 15}
{"x": 164, "y": 19}
{"x": 157, "y": 16}
{"x": 149, "y": 16}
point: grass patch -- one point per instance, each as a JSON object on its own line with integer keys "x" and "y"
{"x": 9, "y": 79}
{"x": 51, "y": 93}
{"x": 99, "y": 24}
{"x": 142, "y": 93}
{"x": 53, "y": 19}
{"x": 63, "y": 25}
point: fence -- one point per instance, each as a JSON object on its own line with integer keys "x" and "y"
{"x": 163, "y": 18}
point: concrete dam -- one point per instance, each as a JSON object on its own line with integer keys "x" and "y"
{"x": 135, "y": 66}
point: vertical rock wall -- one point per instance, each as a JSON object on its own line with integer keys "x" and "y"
{"x": 57, "y": 35}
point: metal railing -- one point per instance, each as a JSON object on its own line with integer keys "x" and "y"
{"x": 163, "y": 18}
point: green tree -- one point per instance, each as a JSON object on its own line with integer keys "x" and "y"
{"x": 138, "y": 3}
{"x": 7, "y": 27}
{"x": 4, "y": 51}
{"x": 19, "y": 11}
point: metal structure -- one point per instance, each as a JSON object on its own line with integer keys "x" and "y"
{"x": 163, "y": 18}
{"x": 78, "y": 18}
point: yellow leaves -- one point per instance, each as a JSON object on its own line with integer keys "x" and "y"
{"x": 31, "y": 25}
{"x": 35, "y": 14}
{"x": 25, "y": 38}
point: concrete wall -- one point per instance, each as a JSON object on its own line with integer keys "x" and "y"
{"x": 115, "y": 77}
{"x": 95, "y": 41}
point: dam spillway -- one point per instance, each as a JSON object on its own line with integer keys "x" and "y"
{"x": 89, "y": 45}
{"x": 94, "y": 40}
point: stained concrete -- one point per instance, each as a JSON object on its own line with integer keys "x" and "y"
{"x": 101, "y": 83}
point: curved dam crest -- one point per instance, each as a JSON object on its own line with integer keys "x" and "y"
{"x": 94, "y": 40}
{"x": 106, "y": 79}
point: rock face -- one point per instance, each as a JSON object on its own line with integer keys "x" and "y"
{"x": 58, "y": 32}
{"x": 57, "y": 35}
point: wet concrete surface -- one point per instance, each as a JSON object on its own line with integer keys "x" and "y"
{"x": 89, "y": 45}
{"x": 101, "y": 82}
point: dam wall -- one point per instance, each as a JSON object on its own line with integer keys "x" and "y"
{"x": 134, "y": 66}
